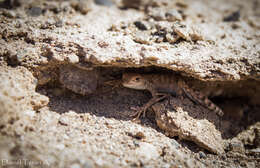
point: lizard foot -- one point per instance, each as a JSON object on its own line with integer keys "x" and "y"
{"x": 143, "y": 109}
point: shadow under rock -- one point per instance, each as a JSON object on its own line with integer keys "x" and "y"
{"x": 116, "y": 103}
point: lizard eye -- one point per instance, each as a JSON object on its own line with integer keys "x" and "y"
{"x": 137, "y": 79}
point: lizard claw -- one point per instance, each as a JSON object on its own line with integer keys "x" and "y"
{"x": 139, "y": 112}
{"x": 142, "y": 110}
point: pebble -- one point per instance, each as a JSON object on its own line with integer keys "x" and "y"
{"x": 256, "y": 150}
{"x": 107, "y": 3}
{"x": 232, "y": 17}
{"x": 172, "y": 38}
{"x": 158, "y": 14}
{"x": 202, "y": 155}
{"x": 64, "y": 120}
{"x": 173, "y": 15}
{"x": 73, "y": 58}
{"x": 9, "y": 14}
{"x": 132, "y": 3}
{"x": 142, "y": 37}
{"x": 82, "y": 6}
{"x": 140, "y": 25}
{"x": 59, "y": 23}
{"x": 35, "y": 11}
{"x": 237, "y": 146}
{"x": 147, "y": 152}
{"x": 140, "y": 135}
{"x": 182, "y": 30}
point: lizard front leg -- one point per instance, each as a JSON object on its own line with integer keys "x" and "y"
{"x": 142, "y": 110}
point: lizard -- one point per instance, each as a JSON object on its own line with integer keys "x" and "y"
{"x": 163, "y": 85}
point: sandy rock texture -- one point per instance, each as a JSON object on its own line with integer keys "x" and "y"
{"x": 61, "y": 99}
{"x": 192, "y": 125}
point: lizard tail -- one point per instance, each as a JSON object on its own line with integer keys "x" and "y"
{"x": 201, "y": 99}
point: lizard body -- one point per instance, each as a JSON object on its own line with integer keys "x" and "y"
{"x": 163, "y": 84}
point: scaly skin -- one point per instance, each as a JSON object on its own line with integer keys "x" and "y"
{"x": 162, "y": 85}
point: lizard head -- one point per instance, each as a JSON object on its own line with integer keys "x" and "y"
{"x": 134, "y": 81}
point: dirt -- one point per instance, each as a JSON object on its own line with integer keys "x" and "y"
{"x": 62, "y": 103}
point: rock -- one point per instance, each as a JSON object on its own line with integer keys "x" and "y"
{"x": 137, "y": 4}
{"x": 182, "y": 30}
{"x": 178, "y": 122}
{"x": 232, "y": 17}
{"x": 140, "y": 25}
{"x": 249, "y": 136}
{"x": 18, "y": 98}
{"x": 139, "y": 135}
{"x": 73, "y": 59}
{"x": 256, "y": 150}
{"x": 83, "y": 6}
{"x": 9, "y": 14}
{"x": 173, "y": 15}
{"x": 172, "y": 38}
{"x": 34, "y": 11}
{"x": 202, "y": 155}
{"x": 104, "y": 2}
{"x": 146, "y": 152}
{"x": 78, "y": 80}
{"x": 237, "y": 146}
{"x": 142, "y": 37}
{"x": 158, "y": 14}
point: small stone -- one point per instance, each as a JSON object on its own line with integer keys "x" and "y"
{"x": 104, "y": 2}
{"x": 64, "y": 120}
{"x": 158, "y": 14}
{"x": 172, "y": 38}
{"x": 182, "y": 30}
{"x": 78, "y": 80}
{"x": 59, "y": 23}
{"x": 147, "y": 152}
{"x": 139, "y": 135}
{"x": 82, "y": 6}
{"x": 202, "y": 155}
{"x": 132, "y": 3}
{"x": 232, "y": 17}
{"x": 140, "y": 25}
{"x": 35, "y": 11}
{"x": 136, "y": 143}
{"x": 9, "y": 14}
{"x": 72, "y": 58}
{"x": 181, "y": 4}
{"x": 173, "y": 15}
{"x": 237, "y": 146}
{"x": 256, "y": 150}
{"x": 142, "y": 37}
